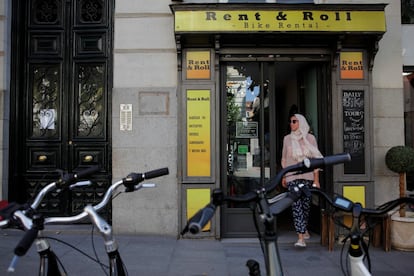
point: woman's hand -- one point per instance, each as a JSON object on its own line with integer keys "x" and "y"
{"x": 316, "y": 185}
{"x": 316, "y": 179}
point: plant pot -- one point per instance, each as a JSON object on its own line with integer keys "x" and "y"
{"x": 402, "y": 231}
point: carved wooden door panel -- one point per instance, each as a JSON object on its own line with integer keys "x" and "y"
{"x": 61, "y": 98}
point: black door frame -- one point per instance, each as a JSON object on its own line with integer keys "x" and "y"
{"x": 243, "y": 216}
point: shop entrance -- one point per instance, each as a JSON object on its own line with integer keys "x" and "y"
{"x": 258, "y": 95}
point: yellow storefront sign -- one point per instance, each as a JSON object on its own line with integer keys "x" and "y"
{"x": 352, "y": 66}
{"x": 198, "y": 133}
{"x": 283, "y": 21}
{"x": 198, "y": 65}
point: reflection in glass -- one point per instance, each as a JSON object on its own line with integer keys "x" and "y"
{"x": 244, "y": 122}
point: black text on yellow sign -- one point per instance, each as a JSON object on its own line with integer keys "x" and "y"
{"x": 198, "y": 133}
{"x": 289, "y": 20}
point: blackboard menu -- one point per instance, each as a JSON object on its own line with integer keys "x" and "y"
{"x": 354, "y": 130}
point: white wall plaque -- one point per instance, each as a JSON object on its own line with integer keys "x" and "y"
{"x": 125, "y": 117}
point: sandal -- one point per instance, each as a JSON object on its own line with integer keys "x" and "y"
{"x": 300, "y": 243}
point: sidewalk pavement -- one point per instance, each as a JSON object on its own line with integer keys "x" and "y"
{"x": 167, "y": 256}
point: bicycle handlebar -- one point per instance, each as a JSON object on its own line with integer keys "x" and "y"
{"x": 196, "y": 223}
{"x": 346, "y": 205}
{"x": 64, "y": 181}
{"x": 308, "y": 165}
{"x": 84, "y": 173}
{"x": 358, "y": 249}
{"x": 133, "y": 178}
{"x": 200, "y": 219}
{"x": 281, "y": 205}
{"x": 131, "y": 182}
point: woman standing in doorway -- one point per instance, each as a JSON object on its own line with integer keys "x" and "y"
{"x": 298, "y": 145}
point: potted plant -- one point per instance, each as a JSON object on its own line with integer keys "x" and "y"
{"x": 400, "y": 159}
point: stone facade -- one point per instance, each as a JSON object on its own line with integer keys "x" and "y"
{"x": 145, "y": 76}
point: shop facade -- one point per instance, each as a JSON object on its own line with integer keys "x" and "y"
{"x": 206, "y": 90}
{"x": 254, "y": 67}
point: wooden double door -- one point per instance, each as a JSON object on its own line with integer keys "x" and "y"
{"x": 60, "y": 100}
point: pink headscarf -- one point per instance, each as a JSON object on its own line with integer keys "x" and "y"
{"x": 307, "y": 150}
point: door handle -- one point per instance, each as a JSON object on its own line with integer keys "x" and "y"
{"x": 42, "y": 158}
{"x": 88, "y": 158}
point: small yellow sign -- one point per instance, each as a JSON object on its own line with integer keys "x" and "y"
{"x": 352, "y": 65}
{"x": 198, "y": 65}
{"x": 197, "y": 199}
{"x": 198, "y": 133}
{"x": 356, "y": 194}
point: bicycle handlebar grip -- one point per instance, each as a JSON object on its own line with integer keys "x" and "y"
{"x": 337, "y": 159}
{"x": 155, "y": 173}
{"x": 329, "y": 160}
{"x": 281, "y": 205}
{"x": 87, "y": 172}
{"x": 201, "y": 218}
{"x": 69, "y": 178}
{"x": 26, "y": 242}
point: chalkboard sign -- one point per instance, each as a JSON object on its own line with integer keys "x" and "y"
{"x": 354, "y": 130}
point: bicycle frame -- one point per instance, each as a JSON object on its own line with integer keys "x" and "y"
{"x": 358, "y": 267}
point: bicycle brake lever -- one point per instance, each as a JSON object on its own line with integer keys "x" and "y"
{"x": 80, "y": 184}
{"x": 23, "y": 219}
{"x": 131, "y": 181}
{"x": 142, "y": 185}
{"x": 13, "y": 263}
